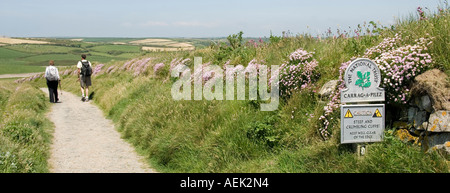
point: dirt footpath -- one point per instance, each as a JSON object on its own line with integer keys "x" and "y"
{"x": 85, "y": 141}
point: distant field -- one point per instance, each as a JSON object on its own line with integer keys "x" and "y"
{"x": 32, "y": 55}
{"x": 109, "y": 40}
{"x": 163, "y": 45}
{"x": 164, "y": 49}
{"x": 117, "y": 48}
{"x": 151, "y": 41}
{"x": 42, "y": 49}
{"x": 20, "y": 41}
{"x": 17, "y": 56}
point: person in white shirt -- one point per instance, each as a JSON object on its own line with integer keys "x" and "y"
{"x": 84, "y": 76}
{"x": 53, "y": 79}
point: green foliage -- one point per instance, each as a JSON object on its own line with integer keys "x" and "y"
{"x": 19, "y": 132}
{"x": 24, "y": 130}
{"x": 264, "y": 130}
{"x": 437, "y": 26}
{"x": 396, "y": 156}
{"x": 235, "y": 51}
{"x": 274, "y": 39}
{"x": 235, "y": 40}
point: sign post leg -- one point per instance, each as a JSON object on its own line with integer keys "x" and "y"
{"x": 360, "y": 149}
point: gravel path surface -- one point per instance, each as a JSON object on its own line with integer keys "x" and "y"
{"x": 85, "y": 141}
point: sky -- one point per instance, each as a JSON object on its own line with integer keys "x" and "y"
{"x": 195, "y": 18}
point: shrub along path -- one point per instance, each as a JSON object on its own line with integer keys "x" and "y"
{"x": 85, "y": 141}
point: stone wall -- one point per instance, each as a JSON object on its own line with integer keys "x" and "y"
{"x": 428, "y": 113}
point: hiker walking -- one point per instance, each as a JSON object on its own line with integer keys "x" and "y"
{"x": 52, "y": 77}
{"x": 84, "y": 76}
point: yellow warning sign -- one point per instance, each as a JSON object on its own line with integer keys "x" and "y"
{"x": 348, "y": 114}
{"x": 377, "y": 113}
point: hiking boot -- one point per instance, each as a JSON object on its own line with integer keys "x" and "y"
{"x": 87, "y": 100}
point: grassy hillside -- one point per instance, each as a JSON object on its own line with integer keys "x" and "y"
{"x": 235, "y": 136}
{"x": 301, "y": 136}
{"x": 25, "y": 132}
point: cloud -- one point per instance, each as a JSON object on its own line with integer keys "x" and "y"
{"x": 171, "y": 24}
{"x": 145, "y": 24}
{"x": 194, "y": 24}
{"x": 127, "y": 24}
{"x": 153, "y": 23}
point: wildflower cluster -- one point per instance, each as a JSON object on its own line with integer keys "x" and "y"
{"x": 334, "y": 103}
{"x": 204, "y": 72}
{"x": 97, "y": 69}
{"x": 138, "y": 66}
{"x": 297, "y": 73}
{"x": 176, "y": 61}
{"x": 127, "y": 64}
{"x": 255, "y": 44}
{"x": 66, "y": 72}
{"x": 158, "y": 67}
{"x": 399, "y": 65}
{"x": 111, "y": 69}
{"x": 421, "y": 13}
{"x": 255, "y": 64}
{"x": 29, "y": 79}
{"x": 141, "y": 66}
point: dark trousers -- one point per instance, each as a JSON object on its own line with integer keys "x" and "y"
{"x": 53, "y": 90}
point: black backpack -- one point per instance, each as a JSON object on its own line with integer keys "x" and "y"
{"x": 86, "y": 69}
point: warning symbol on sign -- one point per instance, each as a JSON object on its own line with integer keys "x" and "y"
{"x": 348, "y": 114}
{"x": 377, "y": 113}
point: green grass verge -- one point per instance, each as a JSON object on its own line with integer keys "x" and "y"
{"x": 25, "y": 132}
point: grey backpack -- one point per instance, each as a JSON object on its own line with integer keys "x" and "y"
{"x": 52, "y": 73}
